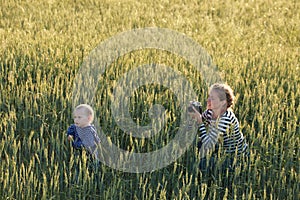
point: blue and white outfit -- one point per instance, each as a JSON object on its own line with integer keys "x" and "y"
{"x": 86, "y": 138}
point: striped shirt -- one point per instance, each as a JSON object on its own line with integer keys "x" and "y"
{"x": 225, "y": 129}
{"x": 89, "y": 138}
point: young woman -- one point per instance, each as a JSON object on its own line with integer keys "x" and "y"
{"x": 219, "y": 130}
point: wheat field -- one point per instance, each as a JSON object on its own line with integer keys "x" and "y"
{"x": 254, "y": 44}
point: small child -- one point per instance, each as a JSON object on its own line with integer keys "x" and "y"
{"x": 82, "y": 133}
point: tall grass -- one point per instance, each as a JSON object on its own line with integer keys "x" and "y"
{"x": 255, "y": 45}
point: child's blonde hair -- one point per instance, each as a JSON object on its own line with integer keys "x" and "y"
{"x": 87, "y": 109}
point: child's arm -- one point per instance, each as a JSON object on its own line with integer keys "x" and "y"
{"x": 73, "y": 136}
{"x": 71, "y": 130}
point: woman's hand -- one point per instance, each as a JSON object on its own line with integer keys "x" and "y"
{"x": 195, "y": 115}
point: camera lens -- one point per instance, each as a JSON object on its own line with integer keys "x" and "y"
{"x": 190, "y": 109}
{"x": 196, "y": 105}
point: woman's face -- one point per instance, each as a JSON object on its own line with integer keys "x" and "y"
{"x": 213, "y": 101}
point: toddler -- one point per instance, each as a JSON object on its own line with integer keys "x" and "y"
{"x": 82, "y": 133}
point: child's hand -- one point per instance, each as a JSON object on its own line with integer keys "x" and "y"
{"x": 70, "y": 138}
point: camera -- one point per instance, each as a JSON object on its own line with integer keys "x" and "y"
{"x": 197, "y": 105}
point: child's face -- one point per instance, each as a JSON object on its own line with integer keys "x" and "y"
{"x": 81, "y": 118}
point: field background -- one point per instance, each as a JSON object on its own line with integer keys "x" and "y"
{"x": 255, "y": 45}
